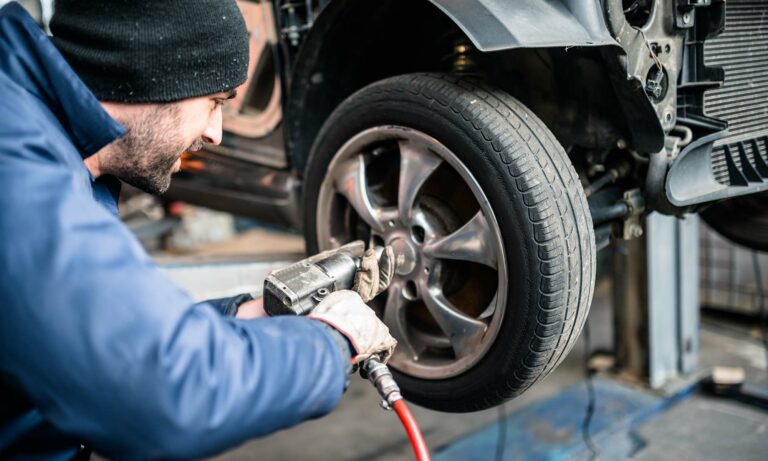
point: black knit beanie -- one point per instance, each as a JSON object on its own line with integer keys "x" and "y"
{"x": 153, "y": 50}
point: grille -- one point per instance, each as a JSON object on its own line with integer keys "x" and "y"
{"x": 742, "y": 51}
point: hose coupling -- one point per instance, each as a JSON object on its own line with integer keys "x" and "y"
{"x": 381, "y": 378}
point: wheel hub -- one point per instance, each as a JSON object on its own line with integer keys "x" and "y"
{"x": 410, "y": 256}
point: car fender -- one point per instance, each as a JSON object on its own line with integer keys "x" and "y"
{"x": 493, "y": 25}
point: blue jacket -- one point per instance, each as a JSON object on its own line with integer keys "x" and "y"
{"x": 97, "y": 346}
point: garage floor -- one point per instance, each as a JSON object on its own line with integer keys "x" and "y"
{"x": 697, "y": 427}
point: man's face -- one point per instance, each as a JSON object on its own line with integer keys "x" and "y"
{"x": 158, "y": 134}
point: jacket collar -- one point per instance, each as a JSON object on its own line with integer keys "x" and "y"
{"x": 29, "y": 58}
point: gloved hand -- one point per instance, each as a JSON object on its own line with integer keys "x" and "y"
{"x": 374, "y": 274}
{"x": 346, "y": 312}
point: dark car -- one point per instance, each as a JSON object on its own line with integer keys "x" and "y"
{"x": 496, "y": 145}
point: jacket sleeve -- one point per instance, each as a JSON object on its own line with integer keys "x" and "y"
{"x": 111, "y": 351}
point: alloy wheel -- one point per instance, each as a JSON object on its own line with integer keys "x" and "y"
{"x": 401, "y": 187}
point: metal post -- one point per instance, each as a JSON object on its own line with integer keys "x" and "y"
{"x": 630, "y": 307}
{"x": 656, "y": 300}
{"x": 662, "y": 249}
{"x": 688, "y": 268}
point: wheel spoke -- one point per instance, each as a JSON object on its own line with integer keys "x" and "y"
{"x": 471, "y": 242}
{"x": 394, "y": 317}
{"x": 464, "y": 332}
{"x": 352, "y": 182}
{"x": 417, "y": 163}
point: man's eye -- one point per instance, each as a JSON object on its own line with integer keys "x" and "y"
{"x": 218, "y": 103}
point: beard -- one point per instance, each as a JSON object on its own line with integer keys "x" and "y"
{"x": 145, "y": 156}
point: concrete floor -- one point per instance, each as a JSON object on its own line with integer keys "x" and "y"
{"x": 706, "y": 429}
{"x": 701, "y": 427}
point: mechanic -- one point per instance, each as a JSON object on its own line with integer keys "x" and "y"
{"x": 98, "y": 349}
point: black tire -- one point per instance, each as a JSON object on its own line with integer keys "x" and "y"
{"x": 743, "y": 220}
{"x": 540, "y": 207}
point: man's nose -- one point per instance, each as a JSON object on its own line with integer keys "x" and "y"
{"x": 212, "y": 133}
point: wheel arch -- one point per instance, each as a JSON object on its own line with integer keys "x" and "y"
{"x": 494, "y": 26}
{"x": 558, "y": 71}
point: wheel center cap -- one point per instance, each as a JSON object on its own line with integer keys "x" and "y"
{"x": 403, "y": 247}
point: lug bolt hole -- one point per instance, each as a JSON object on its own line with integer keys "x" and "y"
{"x": 418, "y": 234}
{"x": 409, "y": 291}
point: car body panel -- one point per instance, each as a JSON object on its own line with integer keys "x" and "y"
{"x": 495, "y": 25}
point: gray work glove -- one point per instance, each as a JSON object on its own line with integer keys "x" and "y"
{"x": 346, "y": 312}
{"x": 375, "y": 274}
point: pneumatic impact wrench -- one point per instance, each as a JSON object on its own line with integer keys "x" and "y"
{"x": 298, "y": 288}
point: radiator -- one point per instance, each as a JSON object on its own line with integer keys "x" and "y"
{"x": 742, "y": 52}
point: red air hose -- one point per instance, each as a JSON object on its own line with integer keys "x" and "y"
{"x": 413, "y": 431}
{"x": 381, "y": 378}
